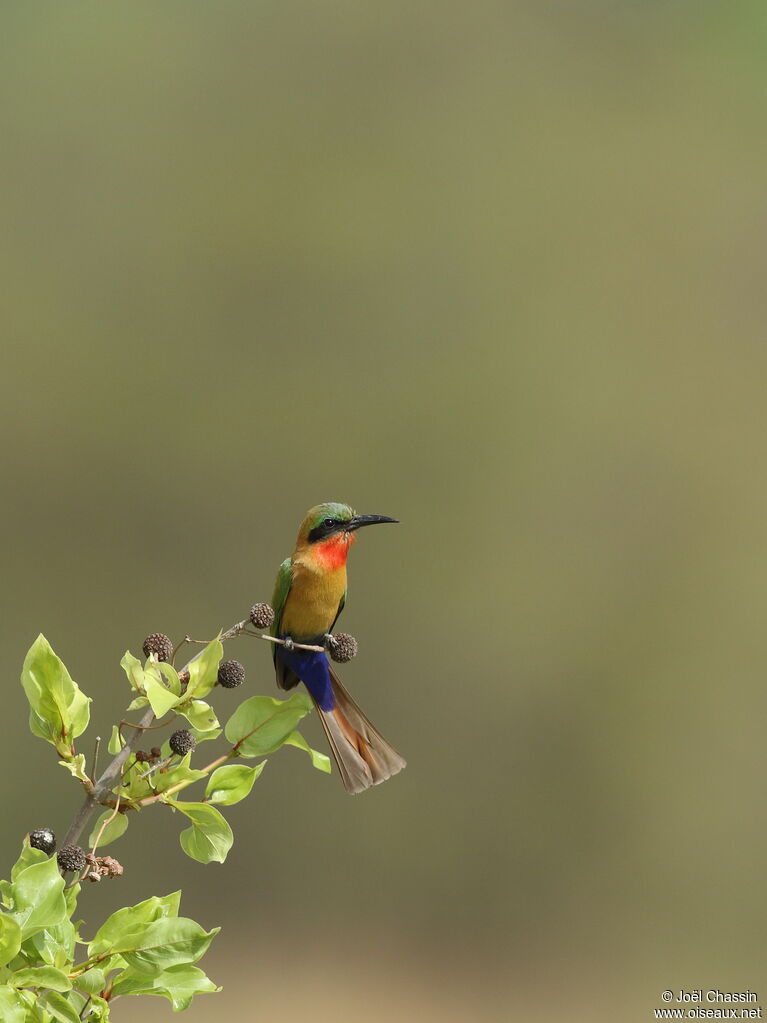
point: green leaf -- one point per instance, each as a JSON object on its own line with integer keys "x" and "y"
{"x": 27, "y": 857}
{"x": 53, "y": 945}
{"x": 59, "y": 1007}
{"x": 199, "y": 714}
{"x": 131, "y": 918}
{"x": 203, "y": 671}
{"x": 116, "y": 742}
{"x": 182, "y": 772}
{"x": 10, "y": 938}
{"x": 6, "y": 893}
{"x": 178, "y": 983}
{"x": 59, "y": 710}
{"x": 319, "y": 760}
{"x": 41, "y": 976}
{"x": 134, "y": 670}
{"x": 160, "y": 697}
{"x": 98, "y": 1008}
{"x": 165, "y": 673}
{"x": 136, "y": 704}
{"x": 205, "y": 736}
{"x": 116, "y": 827}
{"x": 262, "y": 724}
{"x": 38, "y": 897}
{"x": 210, "y": 838}
{"x": 165, "y": 943}
{"x": 12, "y": 1006}
{"x": 231, "y": 783}
{"x": 76, "y": 767}
{"x": 92, "y": 981}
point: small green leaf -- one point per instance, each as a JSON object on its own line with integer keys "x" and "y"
{"x": 10, "y": 938}
{"x": 27, "y": 857}
{"x": 210, "y": 838}
{"x": 137, "y": 703}
{"x": 59, "y": 1007}
{"x": 131, "y": 918}
{"x": 205, "y": 736}
{"x": 41, "y": 976}
{"x": 76, "y": 767}
{"x": 165, "y": 943}
{"x": 12, "y": 1006}
{"x": 59, "y": 710}
{"x": 199, "y": 714}
{"x": 116, "y": 827}
{"x": 182, "y": 772}
{"x": 92, "y": 981}
{"x": 160, "y": 697}
{"x": 116, "y": 742}
{"x": 166, "y": 674}
{"x": 38, "y": 897}
{"x": 6, "y": 893}
{"x": 133, "y": 669}
{"x": 319, "y": 760}
{"x": 231, "y": 783}
{"x": 55, "y": 946}
{"x": 262, "y": 724}
{"x": 98, "y": 1008}
{"x": 178, "y": 983}
{"x": 203, "y": 671}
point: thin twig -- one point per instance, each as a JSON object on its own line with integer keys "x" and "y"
{"x": 292, "y": 645}
{"x": 107, "y": 822}
{"x": 96, "y": 749}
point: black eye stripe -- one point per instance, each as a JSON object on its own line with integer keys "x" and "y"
{"x": 325, "y": 528}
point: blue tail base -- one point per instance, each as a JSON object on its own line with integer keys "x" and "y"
{"x": 313, "y": 669}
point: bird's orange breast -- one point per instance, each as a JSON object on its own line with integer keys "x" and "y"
{"x": 314, "y": 598}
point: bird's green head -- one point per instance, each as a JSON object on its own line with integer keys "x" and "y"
{"x": 334, "y": 519}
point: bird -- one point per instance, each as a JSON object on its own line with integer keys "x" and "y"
{"x": 309, "y": 595}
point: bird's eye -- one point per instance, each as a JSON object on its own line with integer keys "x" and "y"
{"x": 329, "y": 522}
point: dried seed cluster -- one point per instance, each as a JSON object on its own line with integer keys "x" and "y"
{"x": 102, "y": 866}
{"x": 182, "y": 741}
{"x": 43, "y": 839}
{"x": 262, "y": 616}
{"x": 231, "y": 674}
{"x": 342, "y": 647}
{"x": 160, "y": 645}
{"x": 71, "y": 858}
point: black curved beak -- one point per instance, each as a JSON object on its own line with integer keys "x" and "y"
{"x": 366, "y": 520}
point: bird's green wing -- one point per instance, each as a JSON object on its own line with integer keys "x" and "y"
{"x": 285, "y": 678}
{"x": 282, "y": 585}
{"x": 338, "y": 612}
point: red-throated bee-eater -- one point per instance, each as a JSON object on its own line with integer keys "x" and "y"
{"x": 309, "y": 595}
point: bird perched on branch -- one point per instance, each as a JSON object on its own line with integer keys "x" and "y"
{"x": 309, "y": 595}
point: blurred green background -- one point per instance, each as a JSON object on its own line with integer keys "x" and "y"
{"x": 495, "y": 269}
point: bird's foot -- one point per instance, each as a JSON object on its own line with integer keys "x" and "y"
{"x": 288, "y": 643}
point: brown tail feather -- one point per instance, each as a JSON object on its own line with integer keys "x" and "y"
{"x": 364, "y": 758}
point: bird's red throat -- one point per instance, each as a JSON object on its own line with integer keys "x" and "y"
{"x": 331, "y": 553}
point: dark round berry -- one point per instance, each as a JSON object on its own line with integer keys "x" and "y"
{"x": 160, "y": 645}
{"x": 142, "y": 757}
{"x": 231, "y": 674}
{"x": 182, "y": 741}
{"x": 71, "y": 858}
{"x": 262, "y": 616}
{"x": 343, "y": 647}
{"x": 155, "y": 752}
{"x": 43, "y": 839}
